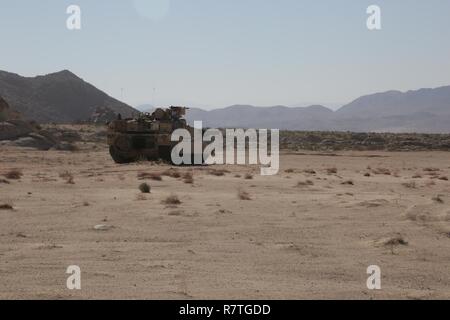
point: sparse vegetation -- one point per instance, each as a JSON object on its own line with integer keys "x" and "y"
{"x": 396, "y": 241}
{"x": 67, "y": 176}
{"x": 243, "y": 195}
{"x": 6, "y": 206}
{"x": 218, "y": 172}
{"x": 4, "y": 181}
{"x": 145, "y": 187}
{"x": 331, "y": 170}
{"x": 367, "y": 174}
{"x": 410, "y": 184}
{"x": 429, "y": 169}
{"x": 152, "y": 176}
{"x": 305, "y": 183}
{"x": 172, "y": 200}
{"x": 13, "y": 174}
{"x": 173, "y": 173}
{"x": 248, "y": 176}
{"x": 383, "y": 171}
{"x": 438, "y": 199}
{"x": 188, "y": 178}
{"x": 348, "y": 182}
{"x": 443, "y": 178}
{"x": 309, "y": 171}
{"x": 416, "y": 176}
{"x": 289, "y": 170}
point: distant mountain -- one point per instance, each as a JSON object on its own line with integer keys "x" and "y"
{"x": 424, "y": 110}
{"x": 58, "y": 97}
{"x": 245, "y": 116}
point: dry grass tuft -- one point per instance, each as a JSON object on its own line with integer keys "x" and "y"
{"x": 173, "y": 173}
{"x": 152, "y": 176}
{"x": 443, "y": 178}
{"x": 348, "y": 182}
{"x": 385, "y": 171}
{"x": 248, "y": 176}
{"x": 429, "y": 169}
{"x": 243, "y": 195}
{"x": 309, "y": 171}
{"x": 332, "y": 170}
{"x": 13, "y": 174}
{"x": 67, "y": 176}
{"x": 305, "y": 183}
{"x": 289, "y": 170}
{"x": 218, "y": 172}
{"x": 438, "y": 199}
{"x": 188, "y": 178}
{"x": 367, "y": 174}
{"x": 145, "y": 187}
{"x": 410, "y": 185}
{"x": 172, "y": 200}
{"x": 417, "y": 176}
{"x": 6, "y": 206}
{"x": 396, "y": 241}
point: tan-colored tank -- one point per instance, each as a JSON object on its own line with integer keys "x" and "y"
{"x": 146, "y": 137}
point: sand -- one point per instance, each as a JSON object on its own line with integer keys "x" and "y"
{"x": 300, "y": 236}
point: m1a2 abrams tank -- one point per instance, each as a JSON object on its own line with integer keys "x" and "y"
{"x": 146, "y": 137}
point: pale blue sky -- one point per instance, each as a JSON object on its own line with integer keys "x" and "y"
{"x": 221, "y": 52}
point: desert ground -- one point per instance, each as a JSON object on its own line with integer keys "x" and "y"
{"x": 308, "y": 233}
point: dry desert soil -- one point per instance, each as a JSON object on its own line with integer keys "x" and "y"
{"x": 308, "y": 233}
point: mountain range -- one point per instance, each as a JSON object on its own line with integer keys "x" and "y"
{"x": 63, "y": 97}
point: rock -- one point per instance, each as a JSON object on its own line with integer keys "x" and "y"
{"x": 13, "y": 129}
{"x": 102, "y": 227}
{"x": 34, "y": 141}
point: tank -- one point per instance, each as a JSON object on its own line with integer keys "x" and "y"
{"x": 147, "y": 137}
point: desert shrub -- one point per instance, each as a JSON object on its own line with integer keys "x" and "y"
{"x": 4, "y": 181}
{"x": 172, "y": 200}
{"x": 438, "y": 199}
{"x": 173, "y": 173}
{"x": 243, "y": 195}
{"x": 218, "y": 172}
{"x": 13, "y": 174}
{"x": 409, "y": 184}
{"x": 248, "y": 176}
{"x": 67, "y": 176}
{"x": 332, "y": 170}
{"x": 443, "y": 178}
{"x": 384, "y": 171}
{"x": 348, "y": 182}
{"x": 305, "y": 183}
{"x": 152, "y": 176}
{"x": 309, "y": 171}
{"x": 430, "y": 169}
{"x": 289, "y": 171}
{"x": 188, "y": 178}
{"x": 396, "y": 241}
{"x": 416, "y": 176}
{"x": 367, "y": 174}
{"x": 144, "y": 187}
{"x": 6, "y": 206}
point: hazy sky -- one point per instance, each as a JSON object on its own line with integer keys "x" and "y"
{"x": 222, "y": 52}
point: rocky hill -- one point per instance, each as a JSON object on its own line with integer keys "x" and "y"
{"x": 60, "y": 97}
